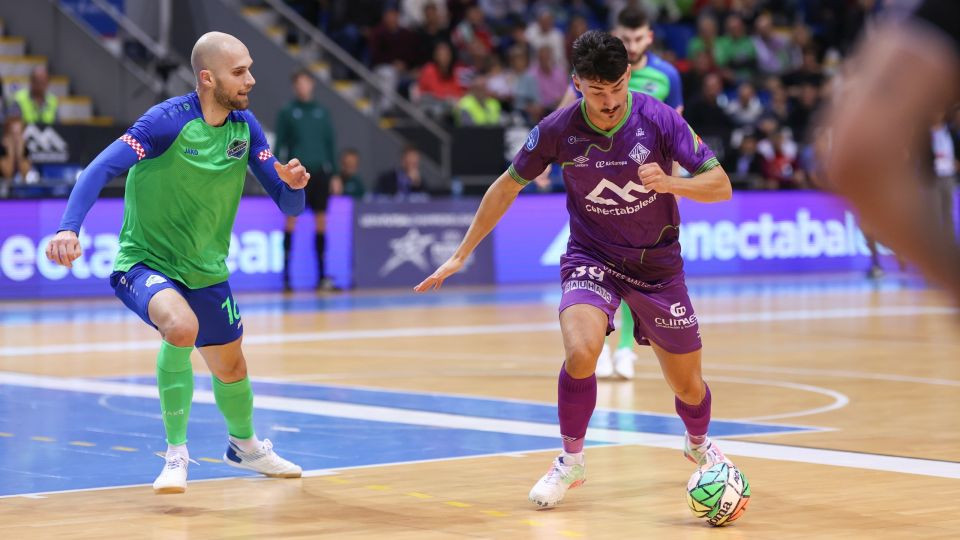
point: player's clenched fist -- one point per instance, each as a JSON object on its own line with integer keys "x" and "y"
{"x": 654, "y": 179}
{"x": 64, "y": 248}
{"x": 293, "y": 173}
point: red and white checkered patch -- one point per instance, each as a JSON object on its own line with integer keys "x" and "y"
{"x": 135, "y": 144}
{"x": 265, "y": 154}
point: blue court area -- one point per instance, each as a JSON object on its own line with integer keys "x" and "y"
{"x": 54, "y": 439}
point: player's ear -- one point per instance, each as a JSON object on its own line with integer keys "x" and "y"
{"x": 206, "y": 77}
{"x": 576, "y": 83}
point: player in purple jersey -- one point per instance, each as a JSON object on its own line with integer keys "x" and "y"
{"x": 613, "y": 146}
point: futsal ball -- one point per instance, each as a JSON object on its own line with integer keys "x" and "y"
{"x": 718, "y": 493}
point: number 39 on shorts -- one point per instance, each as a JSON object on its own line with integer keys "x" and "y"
{"x": 594, "y": 272}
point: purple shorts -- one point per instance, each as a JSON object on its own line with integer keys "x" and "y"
{"x": 662, "y": 312}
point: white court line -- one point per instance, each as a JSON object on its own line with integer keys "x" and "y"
{"x": 925, "y": 467}
{"x": 434, "y": 331}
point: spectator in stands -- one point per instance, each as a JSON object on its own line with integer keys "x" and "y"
{"x": 501, "y": 82}
{"x": 304, "y": 130}
{"x": 746, "y": 109}
{"x": 803, "y": 109}
{"x": 14, "y": 157}
{"x": 745, "y": 164}
{"x": 393, "y": 51}
{"x": 441, "y": 82}
{"x": 430, "y": 33}
{"x": 780, "y": 165}
{"x": 809, "y": 72}
{"x": 552, "y": 78}
{"x": 36, "y": 105}
{"x": 473, "y": 28}
{"x": 347, "y": 181}
{"x": 526, "y": 93}
{"x": 773, "y": 51}
{"x": 706, "y": 38}
{"x": 578, "y": 25}
{"x": 542, "y": 33}
{"x": 417, "y": 13}
{"x": 478, "y": 107}
{"x": 779, "y": 104}
{"x": 701, "y": 65}
{"x": 946, "y": 150}
{"x": 406, "y": 180}
{"x": 707, "y": 115}
{"x": 734, "y": 51}
{"x": 516, "y": 37}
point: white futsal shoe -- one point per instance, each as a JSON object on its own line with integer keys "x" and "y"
{"x": 173, "y": 477}
{"x": 264, "y": 461}
{"x": 604, "y": 363}
{"x": 704, "y": 455}
{"x": 623, "y": 360}
{"x": 551, "y": 488}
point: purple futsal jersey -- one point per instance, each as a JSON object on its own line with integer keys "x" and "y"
{"x": 623, "y": 237}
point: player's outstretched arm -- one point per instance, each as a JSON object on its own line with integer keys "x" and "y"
{"x": 901, "y": 77}
{"x": 64, "y": 248}
{"x": 495, "y": 203}
{"x": 711, "y": 185}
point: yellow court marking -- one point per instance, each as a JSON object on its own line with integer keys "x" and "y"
{"x": 42, "y": 439}
{"x": 379, "y": 487}
{"x": 82, "y": 443}
{"x": 532, "y": 523}
{"x": 458, "y": 504}
{"x": 210, "y": 460}
{"x": 494, "y": 513}
{"x": 335, "y": 479}
{"x": 123, "y": 449}
{"x": 5, "y": 434}
{"x": 418, "y": 495}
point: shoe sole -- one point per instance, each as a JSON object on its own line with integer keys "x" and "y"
{"x": 169, "y": 490}
{"x": 542, "y": 505}
{"x": 297, "y": 474}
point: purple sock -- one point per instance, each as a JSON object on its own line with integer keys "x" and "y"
{"x": 695, "y": 417}
{"x": 576, "y": 401}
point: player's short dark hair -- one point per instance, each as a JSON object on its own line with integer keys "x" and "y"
{"x": 632, "y": 17}
{"x": 598, "y": 56}
{"x": 302, "y": 72}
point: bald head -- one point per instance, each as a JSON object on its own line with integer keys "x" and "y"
{"x": 214, "y": 51}
{"x": 221, "y": 64}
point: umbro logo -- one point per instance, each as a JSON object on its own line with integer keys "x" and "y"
{"x": 581, "y": 161}
{"x": 639, "y": 153}
{"x": 154, "y": 280}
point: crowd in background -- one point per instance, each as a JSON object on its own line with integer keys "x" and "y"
{"x": 753, "y": 71}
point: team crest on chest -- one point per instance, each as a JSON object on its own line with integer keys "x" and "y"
{"x": 237, "y": 148}
{"x": 639, "y": 153}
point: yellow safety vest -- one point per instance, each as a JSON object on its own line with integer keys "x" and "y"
{"x": 28, "y": 108}
{"x": 482, "y": 114}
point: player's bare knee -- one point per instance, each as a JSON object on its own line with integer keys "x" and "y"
{"x": 690, "y": 392}
{"x": 180, "y": 330}
{"x": 233, "y": 374}
{"x": 581, "y": 361}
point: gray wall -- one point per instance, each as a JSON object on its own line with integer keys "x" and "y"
{"x": 74, "y": 51}
{"x": 272, "y": 66}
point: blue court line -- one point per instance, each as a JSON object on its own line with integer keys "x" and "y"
{"x": 514, "y": 294}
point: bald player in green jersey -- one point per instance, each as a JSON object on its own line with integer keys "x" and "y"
{"x": 656, "y": 77}
{"x": 187, "y": 159}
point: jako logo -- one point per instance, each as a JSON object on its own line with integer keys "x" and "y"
{"x": 678, "y": 310}
{"x": 625, "y": 193}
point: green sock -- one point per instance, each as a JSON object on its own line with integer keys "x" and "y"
{"x": 626, "y": 327}
{"x": 235, "y": 401}
{"x": 175, "y": 383}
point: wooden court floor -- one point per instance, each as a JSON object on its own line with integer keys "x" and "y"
{"x": 874, "y": 374}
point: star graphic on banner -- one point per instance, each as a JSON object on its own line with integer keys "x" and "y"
{"x": 409, "y": 248}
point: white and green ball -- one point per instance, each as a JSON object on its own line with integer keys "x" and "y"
{"x": 718, "y": 493}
